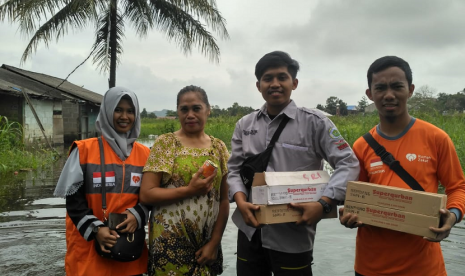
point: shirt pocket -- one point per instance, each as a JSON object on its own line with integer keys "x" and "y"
{"x": 292, "y": 157}
{"x": 294, "y": 147}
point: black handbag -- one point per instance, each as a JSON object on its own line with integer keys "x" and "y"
{"x": 259, "y": 162}
{"x": 129, "y": 246}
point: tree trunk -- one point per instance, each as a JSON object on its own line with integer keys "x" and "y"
{"x": 113, "y": 12}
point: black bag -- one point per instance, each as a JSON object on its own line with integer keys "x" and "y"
{"x": 259, "y": 162}
{"x": 129, "y": 246}
{"x": 393, "y": 164}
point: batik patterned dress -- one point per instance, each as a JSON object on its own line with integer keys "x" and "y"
{"x": 178, "y": 230}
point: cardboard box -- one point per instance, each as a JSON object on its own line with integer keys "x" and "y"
{"x": 393, "y": 219}
{"x": 396, "y": 198}
{"x": 271, "y": 214}
{"x": 270, "y": 188}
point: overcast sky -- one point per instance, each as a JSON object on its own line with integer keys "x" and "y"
{"x": 335, "y": 42}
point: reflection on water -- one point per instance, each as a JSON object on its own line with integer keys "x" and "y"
{"x": 32, "y": 232}
{"x": 17, "y": 192}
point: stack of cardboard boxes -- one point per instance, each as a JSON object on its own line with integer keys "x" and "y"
{"x": 395, "y": 208}
{"x": 273, "y": 191}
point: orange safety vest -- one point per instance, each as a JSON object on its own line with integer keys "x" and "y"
{"x": 123, "y": 180}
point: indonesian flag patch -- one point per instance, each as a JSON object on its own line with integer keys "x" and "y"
{"x": 376, "y": 162}
{"x": 109, "y": 179}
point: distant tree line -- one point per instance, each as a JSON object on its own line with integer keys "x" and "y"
{"x": 423, "y": 100}
{"x": 216, "y": 111}
{"x": 234, "y": 110}
{"x": 332, "y": 105}
{"x": 145, "y": 114}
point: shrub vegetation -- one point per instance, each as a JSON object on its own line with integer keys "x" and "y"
{"x": 14, "y": 155}
{"x": 351, "y": 127}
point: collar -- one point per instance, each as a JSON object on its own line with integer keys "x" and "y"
{"x": 290, "y": 110}
{"x": 407, "y": 128}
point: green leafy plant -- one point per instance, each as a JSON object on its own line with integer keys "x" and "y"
{"x": 14, "y": 155}
{"x": 10, "y": 133}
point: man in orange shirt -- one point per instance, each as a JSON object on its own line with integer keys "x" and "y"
{"x": 427, "y": 154}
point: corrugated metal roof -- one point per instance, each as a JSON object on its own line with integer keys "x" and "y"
{"x": 51, "y": 82}
{"x": 10, "y": 80}
{"x": 352, "y": 107}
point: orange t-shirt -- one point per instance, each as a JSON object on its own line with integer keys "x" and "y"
{"x": 428, "y": 154}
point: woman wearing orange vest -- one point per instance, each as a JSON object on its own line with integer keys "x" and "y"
{"x": 80, "y": 183}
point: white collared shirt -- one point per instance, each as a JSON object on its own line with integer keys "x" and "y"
{"x": 308, "y": 138}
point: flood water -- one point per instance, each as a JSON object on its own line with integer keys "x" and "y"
{"x": 32, "y": 233}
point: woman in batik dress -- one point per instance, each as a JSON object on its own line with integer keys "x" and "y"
{"x": 189, "y": 211}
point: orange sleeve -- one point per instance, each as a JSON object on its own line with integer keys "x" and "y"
{"x": 450, "y": 174}
{"x": 359, "y": 151}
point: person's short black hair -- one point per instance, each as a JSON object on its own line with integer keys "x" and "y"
{"x": 193, "y": 88}
{"x": 274, "y": 60}
{"x": 386, "y": 62}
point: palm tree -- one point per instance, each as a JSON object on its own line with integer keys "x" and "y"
{"x": 183, "y": 21}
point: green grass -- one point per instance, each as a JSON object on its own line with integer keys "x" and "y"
{"x": 14, "y": 155}
{"x": 351, "y": 127}
{"x": 354, "y": 126}
{"x": 157, "y": 126}
{"x": 220, "y": 127}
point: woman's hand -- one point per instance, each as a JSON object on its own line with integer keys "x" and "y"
{"x": 200, "y": 186}
{"x": 106, "y": 238}
{"x": 129, "y": 225}
{"x": 207, "y": 254}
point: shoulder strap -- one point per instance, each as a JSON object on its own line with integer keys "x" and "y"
{"x": 102, "y": 171}
{"x": 278, "y": 131}
{"x": 393, "y": 164}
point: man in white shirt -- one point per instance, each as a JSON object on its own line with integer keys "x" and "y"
{"x": 307, "y": 139}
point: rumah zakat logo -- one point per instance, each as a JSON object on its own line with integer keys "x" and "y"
{"x": 411, "y": 156}
{"x": 135, "y": 179}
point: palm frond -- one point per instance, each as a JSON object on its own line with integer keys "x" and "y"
{"x": 32, "y": 12}
{"x": 204, "y": 10}
{"x": 70, "y": 16}
{"x": 102, "y": 5}
{"x": 183, "y": 21}
{"x": 9, "y": 9}
{"x": 102, "y": 55}
{"x": 186, "y": 31}
{"x": 139, "y": 14}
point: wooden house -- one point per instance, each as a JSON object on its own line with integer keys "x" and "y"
{"x": 49, "y": 109}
